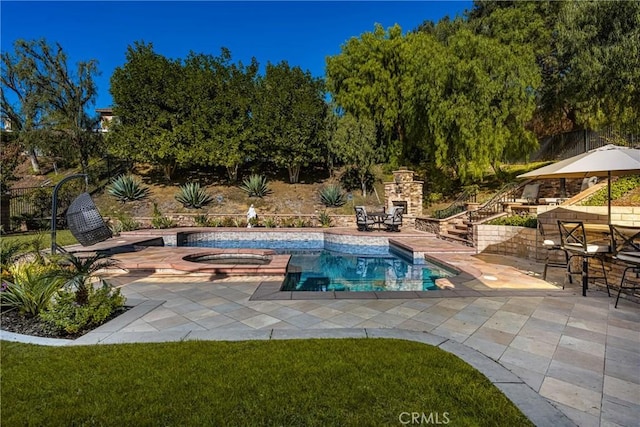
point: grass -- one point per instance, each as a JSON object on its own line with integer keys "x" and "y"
{"x": 63, "y": 238}
{"x": 299, "y": 382}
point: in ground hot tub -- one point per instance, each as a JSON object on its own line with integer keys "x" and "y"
{"x": 230, "y": 258}
{"x": 232, "y": 262}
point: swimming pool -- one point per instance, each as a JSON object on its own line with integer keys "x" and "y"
{"x": 321, "y": 266}
{"x": 326, "y": 271}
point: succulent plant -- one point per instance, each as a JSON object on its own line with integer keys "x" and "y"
{"x": 127, "y": 188}
{"x": 325, "y": 219}
{"x": 255, "y": 186}
{"x": 191, "y": 195}
{"x": 332, "y": 196}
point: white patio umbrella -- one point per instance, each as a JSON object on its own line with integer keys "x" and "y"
{"x": 604, "y": 161}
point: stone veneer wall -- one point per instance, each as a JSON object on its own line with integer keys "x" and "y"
{"x": 404, "y": 189}
{"x": 188, "y": 220}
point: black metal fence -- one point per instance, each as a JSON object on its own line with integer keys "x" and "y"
{"x": 565, "y": 145}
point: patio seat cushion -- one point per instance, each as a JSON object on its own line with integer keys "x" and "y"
{"x": 632, "y": 257}
{"x": 591, "y": 248}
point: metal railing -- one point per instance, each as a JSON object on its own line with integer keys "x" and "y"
{"x": 569, "y": 144}
{"x": 508, "y": 193}
{"x": 457, "y": 206}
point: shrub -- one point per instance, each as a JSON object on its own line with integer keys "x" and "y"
{"x": 32, "y": 288}
{"x": 325, "y": 219}
{"x": 191, "y": 195}
{"x": 227, "y": 221}
{"x": 351, "y": 181}
{"x": 618, "y": 189}
{"x": 240, "y": 223}
{"x": 215, "y": 222}
{"x": 255, "y": 186}
{"x": 127, "y": 188}
{"x": 159, "y": 220}
{"x": 300, "y": 223}
{"x": 270, "y": 222}
{"x": 66, "y": 315}
{"x": 10, "y": 251}
{"x": 287, "y": 222}
{"x": 332, "y": 196}
{"x": 116, "y": 227}
{"x": 516, "y": 221}
{"x": 127, "y": 223}
{"x": 202, "y": 221}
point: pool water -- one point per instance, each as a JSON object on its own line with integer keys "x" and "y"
{"x": 348, "y": 268}
{"x": 331, "y": 271}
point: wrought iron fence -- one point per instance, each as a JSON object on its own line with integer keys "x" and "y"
{"x": 569, "y": 144}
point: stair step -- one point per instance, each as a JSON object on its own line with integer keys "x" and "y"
{"x": 461, "y": 227}
{"x": 458, "y": 232}
{"x": 452, "y": 238}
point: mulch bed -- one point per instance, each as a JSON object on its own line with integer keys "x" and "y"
{"x": 13, "y": 321}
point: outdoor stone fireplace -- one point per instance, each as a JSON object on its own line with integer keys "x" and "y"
{"x": 404, "y": 191}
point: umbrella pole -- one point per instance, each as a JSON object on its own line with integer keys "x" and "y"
{"x": 609, "y": 196}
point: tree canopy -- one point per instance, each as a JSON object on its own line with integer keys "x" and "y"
{"x": 51, "y": 101}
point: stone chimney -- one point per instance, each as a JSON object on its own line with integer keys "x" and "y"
{"x": 404, "y": 191}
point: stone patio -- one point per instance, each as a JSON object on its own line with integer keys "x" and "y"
{"x": 548, "y": 349}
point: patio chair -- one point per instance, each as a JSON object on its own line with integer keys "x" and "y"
{"x": 363, "y": 222}
{"x": 529, "y": 194}
{"x": 394, "y": 218}
{"x": 588, "y": 183}
{"x": 625, "y": 245}
{"x": 553, "y": 250}
{"x": 85, "y": 222}
{"x": 574, "y": 240}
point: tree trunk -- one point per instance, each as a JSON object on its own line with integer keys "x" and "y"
{"x": 294, "y": 173}
{"x": 363, "y": 187}
{"x": 232, "y": 173}
{"x": 168, "y": 169}
{"x": 35, "y": 165}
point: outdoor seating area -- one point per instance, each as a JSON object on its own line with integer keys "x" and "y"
{"x": 574, "y": 241}
{"x": 379, "y": 220}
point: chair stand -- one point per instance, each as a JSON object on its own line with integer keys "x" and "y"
{"x": 556, "y": 264}
{"x": 584, "y": 272}
{"x": 636, "y": 270}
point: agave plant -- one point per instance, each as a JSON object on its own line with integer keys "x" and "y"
{"x": 325, "y": 219}
{"x": 256, "y": 186}
{"x": 332, "y": 196}
{"x": 191, "y": 195}
{"x": 126, "y": 188}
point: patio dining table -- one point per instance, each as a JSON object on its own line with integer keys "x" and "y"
{"x": 378, "y": 218}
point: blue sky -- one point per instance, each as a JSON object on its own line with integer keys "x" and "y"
{"x": 303, "y": 33}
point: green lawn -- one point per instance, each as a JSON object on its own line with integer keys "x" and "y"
{"x": 296, "y": 383}
{"x": 63, "y": 238}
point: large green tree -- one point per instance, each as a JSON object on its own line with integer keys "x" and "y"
{"x": 598, "y": 45}
{"x": 354, "y": 144}
{"x": 366, "y": 79}
{"x": 289, "y": 116}
{"x": 50, "y": 111}
{"x": 470, "y": 101}
{"x": 152, "y": 124}
{"x": 222, "y": 112}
